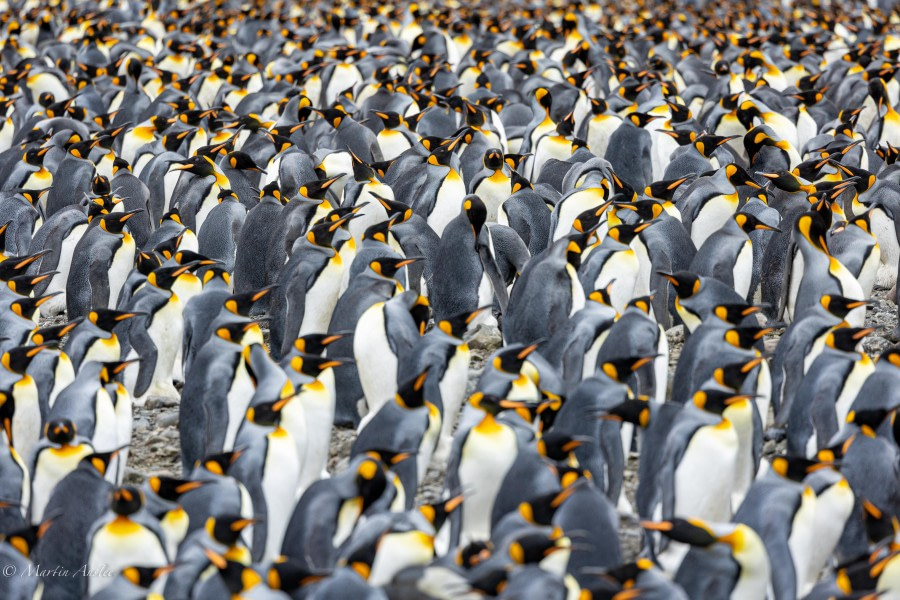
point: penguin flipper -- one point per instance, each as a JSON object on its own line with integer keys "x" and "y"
{"x": 142, "y": 343}
{"x": 501, "y": 296}
{"x": 786, "y": 280}
{"x": 99, "y": 277}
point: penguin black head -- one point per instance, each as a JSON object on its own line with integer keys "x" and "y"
{"x": 746, "y": 336}
{"x": 237, "y": 577}
{"x": 272, "y": 190}
{"x": 185, "y": 257}
{"x": 388, "y": 267}
{"x": 220, "y": 463}
{"x": 411, "y": 393}
{"x": 840, "y": 306}
{"x": 870, "y": 420}
{"x": 717, "y": 401}
{"x": 208, "y": 273}
{"x": 531, "y": 548}
{"x": 60, "y": 431}
{"x": 688, "y": 531}
{"x": 390, "y": 119}
{"x": 796, "y": 468}
{"x": 143, "y": 577}
{"x": 165, "y": 277}
{"x": 267, "y": 414}
{"x": 663, "y": 190}
{"x": 54, "y": 333}
{"x": 319, "y": 188}
{"x": 620, "y": 369}
{"x": 234, "y": 332}
{"x": 684, "y": 137}
{"x": 440, "y": 156}
{"x": 27, "y": 307}
{"x": 735, "y": 313}
{"x": 706, "y": 144}
{"x": 518, "y": 182}
{"x": 558, "y": 446}
{"x": 475, "y": 211}
{"x": 494, "y": 405}
{"x": 110, "y": 370}
{"x": 493, "y": 159}
{"x": 371, "y": 480}
{"x": 241, "y": 304}
{"x": 313, "y": 365}
{"x": 457, "y": 325}
{"x": 511, "y": 358}
{"x": 17, "y": 359}
{"x": 107, "y": 319}
{"x": 576, "y": 243}
{"x": 738, "y": 176}
{"x": 35, "y": 156}
{"x": 379, "y": 231}
{"x": 316, "y": 343}
{"x": 99, "y": 461}
{"x": 241, "y": 161}
{"x": 437, "y": 513}
{"x": 288, "y": 575}
{"x": 14, "y": 266}
{"x": 170, "y": 488}
{"x": 633, "y": 411}
{"x": 880, "y": 526}
{"x": 748, "y": 222}
{"x": 686, "y": 284}
{"x": 733, "y": 375}
{"x": 624, "y": 233}
{"x": 322, "y": 233}
{"x": 23, "y": 285}
{"x": 641, "y": 120}
{"x": 226, "y": 529}
{"x": 115, "y": 222}
{"x": 847, "y": 338}
{"x": 598, "y": 106}
{"x": 474, "y": 554}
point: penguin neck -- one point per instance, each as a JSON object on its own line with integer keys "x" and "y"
{"x": 489, "y": 425}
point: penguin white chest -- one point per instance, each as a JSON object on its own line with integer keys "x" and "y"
{"x": 804, "y": 536}
{"x": 494, "y": 191}
{"x": 447, "y": 202}
{"x": 106, "y": 435}
{"x": 743, "y": 269}
{"x": 318, "y": 410}
{"x": 238, "y": 400}
{"x": 279, "y": 483}
{"x": 375, "y": 359}
{"x": 396, "y": 551}
{"x": 704, "y": 479}
{"x": 51, "y": 467}
{"x": 120, "y": 544}
{"x": 833, "y": 508}
{"x": 26, "y": 422}
{"x": 166, "y": 331}
{"x": 120, "y": 267}
{"x": 322, "y": 296}
{"x": 622, "y": 270}
{"x": 487, "y": 455}
{"x": 712, "y": 216}
{"x": 884, "y": 231}
{"x": 392, "y": 143}
{"x": 57, "y": 305}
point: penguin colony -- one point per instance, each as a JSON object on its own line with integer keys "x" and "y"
{"x": 369, "y": 186}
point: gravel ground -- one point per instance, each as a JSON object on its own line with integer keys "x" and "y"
{"x": 155, "y": 445}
